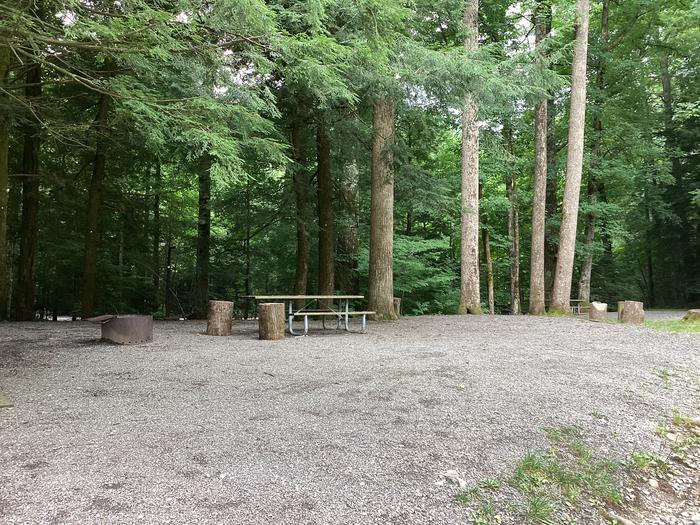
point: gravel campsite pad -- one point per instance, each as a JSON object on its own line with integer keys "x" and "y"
{"x": 329, "y": 428}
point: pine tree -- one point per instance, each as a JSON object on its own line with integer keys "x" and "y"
{"x": 470, "y": 301}
{"x": 561, "y": 290}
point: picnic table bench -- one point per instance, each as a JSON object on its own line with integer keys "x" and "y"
{"x": 577, "y": 306}
{"x": 328, "y": 310}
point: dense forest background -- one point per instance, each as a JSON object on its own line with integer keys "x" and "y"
{"x": 154, "y": 154}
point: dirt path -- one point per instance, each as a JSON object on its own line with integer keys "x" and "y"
{"x": 331, "y": 428}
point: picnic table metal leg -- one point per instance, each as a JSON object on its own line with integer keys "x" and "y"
{"x": 291, "y": 319}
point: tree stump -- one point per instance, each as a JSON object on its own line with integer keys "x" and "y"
{"x": 271, "y": 321}
{"x": 397, "y": 306}
{"x": 597, "y": 311}
{"x": 692, "y": 315}
{"x": 630, "y": 312}
{"x": 220, "y": 318}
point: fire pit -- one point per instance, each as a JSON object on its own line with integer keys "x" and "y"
{"x": 125, "y": 329}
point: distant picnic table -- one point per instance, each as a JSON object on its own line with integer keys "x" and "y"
{"x": 333, "y": 306}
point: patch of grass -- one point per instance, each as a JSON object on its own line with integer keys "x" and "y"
{"x": 661, "y": 429}
{"x": 559, "y": 313}
{"x": 490, "y": 484}
{"x": 647, "y": 461}
{"x": 684, "y": 445}
{"x": 664, "y": 374}
{"x": 568, "y": 470}
{"x": 679, "y": 419}
{"x": 540, "y": 509}
{"x": 677, "y": 326}
{"x": 467, "y": 497}
{"x": 485, "y": 514}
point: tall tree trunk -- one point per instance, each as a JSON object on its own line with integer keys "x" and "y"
{"x": 5, "y": 125}
{"x": 300, "y": 184}
{"x": 488, "y": 261}
{"x": 93, "y": 209}
{"x": 469, "y": 297}
{"x": 326, "y": 259}
{"x": 648, "y": 244}
{"x": 381, "y": 245}
{"x": 561, "y": 292}
{"x": 26, "y": 273}
{"x": 584, "y": 285}
{"x": 169, "y": 277}
{"x": 348, "y": 238}
{"x": 551, "y": 231}
{"x": 513, "y": 221}
{"x": 157, "y": 301}
{"x": 246, "y": 248}
{"x": 201, "y": 279}
{"x": 539, "y": 197}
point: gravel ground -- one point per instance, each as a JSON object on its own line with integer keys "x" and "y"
{"x": 657, "y": 315}
{"x": 330, "y": 428}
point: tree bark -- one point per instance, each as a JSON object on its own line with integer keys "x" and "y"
{"x": 551, "y": 231}
{"x": 470, "y": 299}
{"x": 169, "y": 278}
{"x": 93, "y": 209}
{"x": 561, "y": 292}
{"x": 26, "y": 273}
{"x": 381, "y": 246}
{"x": 584, "y": 285}
{"x": 348, "y": 238}
{"x": 246, "y": 249}
{"x": 513, "y": 221}
{"x": 300, "y": 184}
{"x": 271, "y": 321}
{"x": 201, "y": 280}
{"x": 155, "y": 253}
{"x": 539, "y": 197}
{"x": 220, "y": 318}
{"x": 5, "y": 124}
{"x": 326, "y": 259}
{"x": 488, "y": 261}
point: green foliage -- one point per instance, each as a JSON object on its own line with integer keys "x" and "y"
{"x": 222, "y": 83}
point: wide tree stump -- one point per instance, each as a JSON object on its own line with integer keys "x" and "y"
{"x": 597, "y": 311}
{"x": 271, "y": 321}
{"x": 692, "y": 315}
{"x": 220, "y": 318}
{"x": 397, "y": 306}
{"x": 630, "y": 312}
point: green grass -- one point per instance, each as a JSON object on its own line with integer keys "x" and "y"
{"x": 646, "y": 461}
{"x": 540, "y": 509}
{"x": 468, "y": 496}
{"x": 678, "y": 326}
{"x": 490, "y": 484}
{"x": 566, "y": 471}
{"x": 568, "y": 479}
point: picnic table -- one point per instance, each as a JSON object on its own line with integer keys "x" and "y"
{"x": 575, "y": 305}
{"x": 333, "y": 306}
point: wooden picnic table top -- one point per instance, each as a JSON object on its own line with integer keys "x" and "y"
{"x": 294, "y": 297}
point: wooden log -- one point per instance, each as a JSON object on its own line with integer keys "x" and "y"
{"x": 630, "y": 312}
{"x": 397, "y": 306}
{"x": 597, "y": 311}
{"x": 692, "y": 315}
{"x": 220, "y": 318}
{"x": 271, "y": 321}
{"x": 128, "y": 329}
